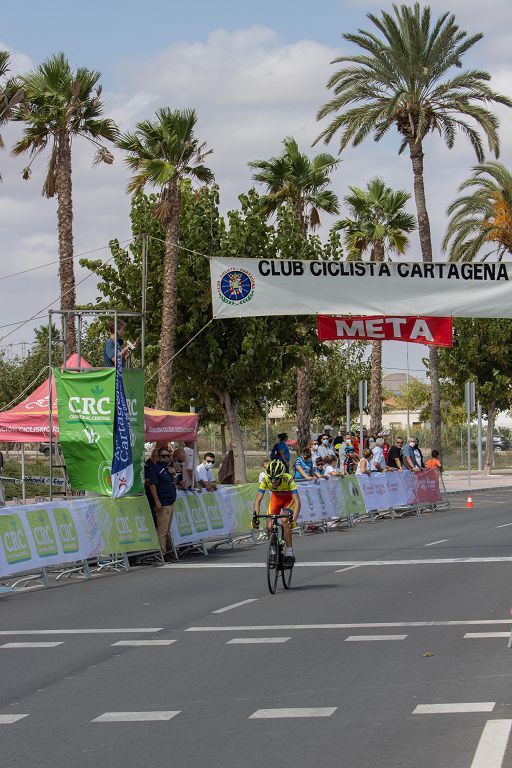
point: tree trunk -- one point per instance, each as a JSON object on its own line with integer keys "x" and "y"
{"x": 65, "y": 227}
{"x": 489, "y": 446}
{"x": 169, "y": 298}
{"x": 230, "y": 410}
{"x": 376, "y": 363}
{"x": 223, "y": 446}
{"x": 416, "y": 151}
{"x": 304, "y": 405}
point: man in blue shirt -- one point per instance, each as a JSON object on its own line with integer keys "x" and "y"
{"x": 283, "y": 451}
{"x": 163, "y": 491}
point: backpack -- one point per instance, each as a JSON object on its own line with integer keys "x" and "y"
{"x": 274, "y": 453}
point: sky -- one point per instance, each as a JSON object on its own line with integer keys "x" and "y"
{"x": 255, "y": 73}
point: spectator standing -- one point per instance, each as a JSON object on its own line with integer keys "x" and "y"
{"x": 148, "y": 465}
{"x": 378, "y": 461}
{"x": 435, "y": 461}
{"x": 163, "y": 491}
{"x": 109, "y": 350}
{"x": 410, "y": 463}
{"x": 418, "y": 454}
{"x": 281, "y": 451}
{"x": 325, "y": 449}
{"x": 183, "y": 477}
{"x": 364, "y": 464}
{"x": 303, "y": 466}
{"x": 204, "y": 472}
{"x": 396, "y": 455}
{"x": 331, "y": 468}
{"x": 313, "y": 447}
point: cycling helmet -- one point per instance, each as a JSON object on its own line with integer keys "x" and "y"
{"x": 275, "y": 469}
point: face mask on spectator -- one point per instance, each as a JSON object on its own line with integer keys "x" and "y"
{"x": 325, "y": 442}
{"x": 315, "y": 445}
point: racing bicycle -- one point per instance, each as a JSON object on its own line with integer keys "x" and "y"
{"x": 275, "y": 554}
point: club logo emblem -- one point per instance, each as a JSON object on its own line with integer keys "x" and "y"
{"x": 236, "y": 286}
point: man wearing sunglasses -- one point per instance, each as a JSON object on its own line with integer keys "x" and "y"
{"x": 163, "y": 491}
{"x": 396, "y": 455}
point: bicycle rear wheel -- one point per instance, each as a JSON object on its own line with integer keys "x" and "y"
{"x": 272, "y": 563}
{"x": 286, "y": 574}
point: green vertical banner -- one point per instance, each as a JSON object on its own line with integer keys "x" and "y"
{"x": 86, "y": 407}
{"x": 133, "y": 381}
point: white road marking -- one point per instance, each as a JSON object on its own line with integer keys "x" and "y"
{"x": 482, "y": 635}
{"x": 235, "y": 605}
{"x": 10, "y": 719}
{"x": 137, "y": 643}
{"x": 135, "y": 717}
{"x": 256, "y": 640}
{"x": 492, "y": 745}
{"x": 431, "y": 544}
{"x": 350, "y": 568}
{"x": 361, "y": 638}
{"x": 31, "y": 645}
{"x": 126, "y": 630}
{"x": 443, "y": 709}
{"x": 375, "y": 625}
{"x": 264, "y": 714}
{"x": 505, "y": 525}
{"x": 345, "y": 563}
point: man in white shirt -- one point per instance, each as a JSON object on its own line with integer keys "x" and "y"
{"x": 204, "y": 473}
{"x": 378, "y": 463}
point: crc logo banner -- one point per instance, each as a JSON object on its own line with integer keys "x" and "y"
{"x": 433, "y": 331}
{"x": 86, "y": 407}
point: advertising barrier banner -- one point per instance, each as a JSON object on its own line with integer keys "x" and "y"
{"x": 434, "y": 331}
{"x": 400, "y": 489}
{"x": 59, "y": 532}
{"x": 259, "y": 287}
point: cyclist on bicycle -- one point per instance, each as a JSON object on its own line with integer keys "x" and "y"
{"x": 283, "y": 496}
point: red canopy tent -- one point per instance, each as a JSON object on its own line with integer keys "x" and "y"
{"x": 29, "y": 421}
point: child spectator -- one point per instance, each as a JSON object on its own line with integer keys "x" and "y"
{"x": 319, "y": 470}
{"x": 349, "y": 461}
{"x": 303, "y": 467}
{"x": 331, "y": 467}
{"x": 434, "y": 462}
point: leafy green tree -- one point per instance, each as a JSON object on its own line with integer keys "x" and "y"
{"x": 414, "y": 396}
{"x": 161, "y": 153}
{"x": 377, "y": 222}
{"x": 59, "y": 105}
{"x": 482, "y": 352}
{"x": 293, "y": 179}
{"x": 403, "y": 78}
{"x": 482, "y": 218}
{"x": 26, "y": 373}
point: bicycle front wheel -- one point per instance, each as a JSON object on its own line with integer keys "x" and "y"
{"x": 286, "y": 575}
{"x": 272, "y": 563}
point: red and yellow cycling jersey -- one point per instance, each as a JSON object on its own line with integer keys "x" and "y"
{"x": 287, "y": 485}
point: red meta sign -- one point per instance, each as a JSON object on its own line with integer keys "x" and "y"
{"x": 434, "y": 331}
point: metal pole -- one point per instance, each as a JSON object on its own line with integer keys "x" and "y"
{"x": 115, "y": 339}
{"x": 50, "y": 396}
{"x": 79, "y": 340}
{"x": 347, "y": 393}
{"x": 469, "y": 451}
{"x": 461, "y": 446}
{"x": 479, "y": 435}
{"x": 64, "y": 344}
{"x": 407, "y": 385}
{"x": 143, "y": 302}
{"x": 23, "y": 486}
{"x": 266, "y": 424}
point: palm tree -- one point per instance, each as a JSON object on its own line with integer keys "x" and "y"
{"x": 482, "y": 218}
{"x": 293, "y": 178}
{"x": 403, "y": 78}
{"x": 60, "y": 104}
{"x": 161, "y": 153}
{"x": 10, "y": 93}
{"x": 378, "y": 223}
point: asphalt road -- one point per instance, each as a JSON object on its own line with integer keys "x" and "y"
{"x": 370, "y": 660}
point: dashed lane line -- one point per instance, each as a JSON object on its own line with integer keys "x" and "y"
{"x": 484, "y": 635}
{"x": 265, "y": 714}
{"x": 431, "y": 543}
{"x": 139, "y": 643}
{"x": 505, "y": 525}
{"x": 10, "y": 719}
{"x": 454, "y": 708}
{"x": 31, "y": 645}
{"x": 371, "y": 638}
{"x": 135, "y": 717}
{"x": 490, "y": 752}
{"x": 256, "y": 640}
{"x": 105, "y": 631}
{"x": 236, "y": 605}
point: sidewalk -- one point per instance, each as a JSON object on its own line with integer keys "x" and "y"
{"x": 457, "y": 480}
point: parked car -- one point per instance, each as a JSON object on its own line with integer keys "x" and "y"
{"x": 45, "y": 448}
{"x": 500, "y": 442}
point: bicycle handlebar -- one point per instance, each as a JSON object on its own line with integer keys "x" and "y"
{"x": 289, "y": 513}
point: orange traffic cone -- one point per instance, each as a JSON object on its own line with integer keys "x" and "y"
{"x": 469, "y": 502}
